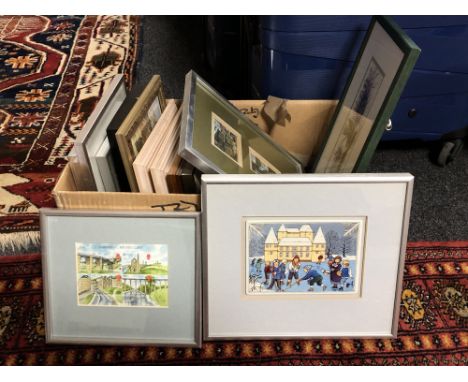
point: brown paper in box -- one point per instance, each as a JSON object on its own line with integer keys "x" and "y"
{"x": 67, "y": 196}
{"x": 301, "y": 132}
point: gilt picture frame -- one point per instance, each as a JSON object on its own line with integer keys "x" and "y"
{"x": 379, "y": 75}
{"x": 116, "y": 277}
{"x": 322, "y": 266}
{"x": 138, "y": 124}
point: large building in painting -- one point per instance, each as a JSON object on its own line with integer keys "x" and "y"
{"x": 289, "y": 242}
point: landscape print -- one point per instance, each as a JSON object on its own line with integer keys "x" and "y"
{"x": 312, "y": 256}
{"x": 122, "y": 274}
{"x": 226, "y": 139}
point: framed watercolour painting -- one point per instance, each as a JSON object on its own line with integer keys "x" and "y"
{"x": 379, "y": 75}
{"x": 312, "y": 255}
{"x": 121, "y": 277}
{"x": 217, "y": 138}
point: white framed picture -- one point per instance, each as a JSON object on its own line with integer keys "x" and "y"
{"x": 288, "y": 256}
{"x": 121, "y": 277}
{"x": 90, "y": 159}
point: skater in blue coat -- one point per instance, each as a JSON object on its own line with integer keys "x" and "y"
{"x": 314, "y": 274}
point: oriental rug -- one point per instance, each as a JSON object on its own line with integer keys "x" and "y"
{"x": 432, "y": 326}
{"x": 53, "y": 71}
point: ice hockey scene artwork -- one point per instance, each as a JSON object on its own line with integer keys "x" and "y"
{"x": 306, "y": 256}
{"x": 122, "y": 275}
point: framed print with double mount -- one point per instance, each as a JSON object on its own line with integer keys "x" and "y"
{"x": 121, "y": 277}
{"x": 303, "y": 255}
{"x": 217, "y": 138}
{"x": 138, "y": 124}
{"x": 379, "y": 75}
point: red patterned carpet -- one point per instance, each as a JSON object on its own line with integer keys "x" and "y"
{"x": 432, "y": 329}
{"x": 52, "y": 72}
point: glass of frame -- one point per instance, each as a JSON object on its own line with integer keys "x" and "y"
{"x": 308, "y": 255}
{"x": 383, "y": 66}
{"x": 91, "y": 157}
{"x": 217, "y": 138}
{"x": 121, "y": 277}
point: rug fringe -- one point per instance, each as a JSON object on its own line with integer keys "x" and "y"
{"x": 19, "y": 242}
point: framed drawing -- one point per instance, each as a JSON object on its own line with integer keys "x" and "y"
{"x": 276, "y": 245}
{"x": 90, "y": 159}
{"x": 121, "y": 277}
{"x": 379, "y": 75}
{"x": 138, "y": 124}
{"x": 217, "y": 138}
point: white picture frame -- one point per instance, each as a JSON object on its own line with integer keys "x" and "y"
{"x": 87, "y": 168}
{"x": 82, "y": 277}
{"x": 380, "y": 203}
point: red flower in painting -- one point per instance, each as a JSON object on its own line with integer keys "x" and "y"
{"x": 149, "y": 278}
{"x": 148, "y": 256}
{"x": 118, "y": 277}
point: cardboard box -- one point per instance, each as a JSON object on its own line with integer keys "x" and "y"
{"x": 300, "y": 132}
{"x": 67, "y": 196}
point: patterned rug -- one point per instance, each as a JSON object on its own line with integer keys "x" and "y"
{"x": 53, "y": 70}
{"x": 432, "y": 328}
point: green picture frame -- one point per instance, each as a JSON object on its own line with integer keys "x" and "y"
{"x": 379, "y": 75}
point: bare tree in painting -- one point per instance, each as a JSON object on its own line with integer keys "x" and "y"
{"x": 333, "y": 242}
{"x": 346, "y": 246}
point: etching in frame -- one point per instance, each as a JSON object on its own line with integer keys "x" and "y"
{"x": 139, "y": 123}
{"x": 259, "y": 165}
{"x": 226, "y": 139}
{"x": 373, "y": 311}
{"x": 378, "y": 77}
{"x": 201, "y": 103}
{"x": 137, "y": 322}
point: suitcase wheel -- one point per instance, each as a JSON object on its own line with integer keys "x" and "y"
{"x": 449, "y": 151}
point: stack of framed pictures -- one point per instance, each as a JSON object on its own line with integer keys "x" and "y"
{"x": 161, "y": 140}
{"x": 286, "y": 254}
{"x": 137, "y": 126}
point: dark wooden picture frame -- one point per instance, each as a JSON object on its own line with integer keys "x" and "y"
{"x": 410, "y": 55}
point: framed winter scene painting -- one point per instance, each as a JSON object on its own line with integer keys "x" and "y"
{"x": 316, "y": 255}
{"x": 321, "y": 256}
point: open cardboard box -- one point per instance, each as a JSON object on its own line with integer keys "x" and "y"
{"x": 300, "y": 134}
